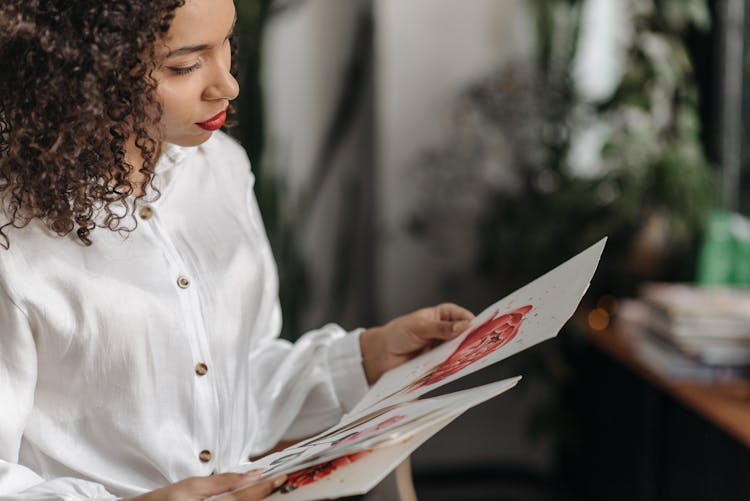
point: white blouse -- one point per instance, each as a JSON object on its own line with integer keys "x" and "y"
{"x": 151, "y": 357}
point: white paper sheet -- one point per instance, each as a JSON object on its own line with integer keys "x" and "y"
{"x": 355, "y": 466}
{"x": 382, "y": 427}
{"x": 545, "y": 305}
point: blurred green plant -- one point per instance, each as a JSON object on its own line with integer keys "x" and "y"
{"x": 652, "y": 187}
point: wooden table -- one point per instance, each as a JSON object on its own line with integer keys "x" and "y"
{"x": 639, "y": 435}
{"x": 726, "y": 405}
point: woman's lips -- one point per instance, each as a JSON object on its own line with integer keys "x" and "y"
{"x": 215, "y": 122}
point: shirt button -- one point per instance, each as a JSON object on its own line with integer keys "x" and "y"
{"x": 201, "y": 369}
{"x": 183, "y": 282}
{"x": 205, "y": 456}
{"x": 146, "y": 213}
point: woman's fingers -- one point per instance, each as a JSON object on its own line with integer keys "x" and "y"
{"x": 443, "y": 330}
{"x": 451, "y": 311}
{"x": 460, "y": 326}
{"x": 211, "y": 487}
{"x": 215, "y": 484}
{"x": 258, "y": 490}
{"x": 407, "y": 336}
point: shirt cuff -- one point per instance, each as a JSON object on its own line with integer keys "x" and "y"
{"x": 347, "y": 372}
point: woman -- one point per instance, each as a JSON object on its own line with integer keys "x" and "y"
{"x": 138, "y": 295}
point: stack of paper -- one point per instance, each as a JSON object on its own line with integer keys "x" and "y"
{"x": 391, "y": 421}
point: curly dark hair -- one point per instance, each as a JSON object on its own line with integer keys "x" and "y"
{"x": 75, "y": 84}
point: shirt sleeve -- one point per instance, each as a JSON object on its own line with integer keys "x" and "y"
{"x": 305, "y": 387}
{"x": 18, "y": 369}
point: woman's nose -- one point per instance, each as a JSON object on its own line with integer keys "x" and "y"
{"x": 222, "y": 86}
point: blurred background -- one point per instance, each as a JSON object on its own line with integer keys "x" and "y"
{"x": 413, "y": 152}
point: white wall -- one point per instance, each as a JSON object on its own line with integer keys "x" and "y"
{"x": 427, "y": 52}
{"x": 305, "y": 50}
{"x": 306, "y": 53}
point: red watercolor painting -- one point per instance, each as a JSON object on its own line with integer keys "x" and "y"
{"x": 362, "y": 434}
{"x": 318, "y": 472}
{"x": 480, "y": 342}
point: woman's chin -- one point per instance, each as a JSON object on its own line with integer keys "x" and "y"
{"x": 188, "y": 140}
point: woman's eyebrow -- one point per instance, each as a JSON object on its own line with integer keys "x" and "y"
{"x": 188, "y": 50}
{"x": 201, "y": 47}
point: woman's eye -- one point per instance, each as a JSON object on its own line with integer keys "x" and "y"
{"x": 185, "y": 70}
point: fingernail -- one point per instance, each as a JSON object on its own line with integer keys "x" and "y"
{"x": 279, "y": 480}
{"x": 460, "y": 326}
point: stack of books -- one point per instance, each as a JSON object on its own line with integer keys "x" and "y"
{"x": 692, "y": 332}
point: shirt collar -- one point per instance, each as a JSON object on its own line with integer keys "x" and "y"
{"x": 171, "y": 155}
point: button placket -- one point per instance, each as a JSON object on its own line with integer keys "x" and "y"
{"x": 206, "y": 402}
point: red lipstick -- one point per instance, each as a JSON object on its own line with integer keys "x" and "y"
{"x": 215, "y": 122}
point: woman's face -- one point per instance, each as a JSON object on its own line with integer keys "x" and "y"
{"x": 194, "y": 80}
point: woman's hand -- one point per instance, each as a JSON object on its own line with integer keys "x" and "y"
{"x": 200, "y": 488}
{"x": 405, "y": 337}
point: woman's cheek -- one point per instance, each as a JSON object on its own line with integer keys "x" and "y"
{"x": 176, "y": 99}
